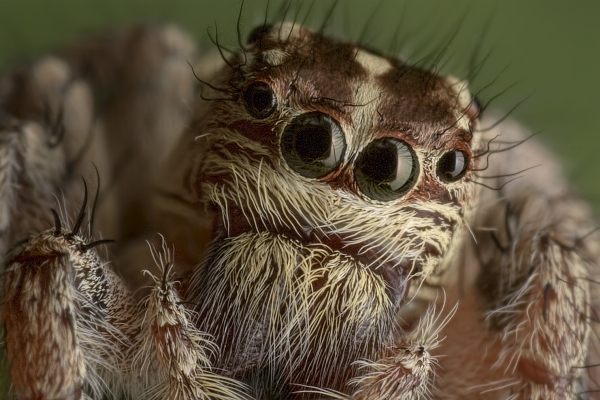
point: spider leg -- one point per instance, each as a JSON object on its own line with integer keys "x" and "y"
{"x": 170, "y": 356}
{"x": 526, "y": 322}
{"x": 114, "y": 101}
{"x": 56, "y": 330}
{"x": 66, "y": 316}
{"x": 144, "y": 93}
{"x": 32, "y": 161}
{"x": 406, "y": 369}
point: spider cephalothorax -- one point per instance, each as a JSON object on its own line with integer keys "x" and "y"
{"x": 338, "y": 178}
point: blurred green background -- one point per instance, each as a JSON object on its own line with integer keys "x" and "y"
{"x": 548, "y": 48}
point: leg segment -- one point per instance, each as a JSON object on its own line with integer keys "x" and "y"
{"x": 71, "y": 325}
{"x": 67, "y": 318}
{"x": 525, "y": 327}
{"x": 170, "y": 357}
{"x": 406, "y": 370}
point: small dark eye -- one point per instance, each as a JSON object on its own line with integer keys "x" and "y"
{"x": 260, "y": 100}
{"x": 452, "y": 166}
{"x": 386, "y": 169}
{"x": 313, "y": 144}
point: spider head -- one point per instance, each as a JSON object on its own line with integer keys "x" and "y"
{"x": 336, "y": 177}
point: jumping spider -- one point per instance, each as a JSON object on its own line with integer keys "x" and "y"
{"x": 323, "y": 208}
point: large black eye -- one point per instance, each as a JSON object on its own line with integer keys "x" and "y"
{"x": 386, "y": 169}
{"x": 452, "y": 166}
{"x": 313, "y": 144}
{"x": 260, "y": 100}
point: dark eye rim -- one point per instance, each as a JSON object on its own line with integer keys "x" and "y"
{"x": 254, "y": 111}
{"x": 410, "y": 182}
{"x": 453, "y": 179}
{"x": 292, "y": 157}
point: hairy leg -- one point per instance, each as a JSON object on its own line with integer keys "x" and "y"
{"x": 526, "y": 319}
{"x": 72, "y": 327}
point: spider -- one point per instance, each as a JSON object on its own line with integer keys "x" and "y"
{"x": 334, "y": 223}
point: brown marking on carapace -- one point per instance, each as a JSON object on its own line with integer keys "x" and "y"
{"x": 438, "y": 217}
{"x": 314, "y": 69}
{"x": 417, "y": 103}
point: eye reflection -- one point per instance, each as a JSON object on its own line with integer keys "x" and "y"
{"x": 452, "y": 166}
{"x": 313, "y": 144}
{"x": 386, "y": 169}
